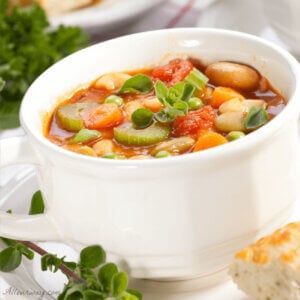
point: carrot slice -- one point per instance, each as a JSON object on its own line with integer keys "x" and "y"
{"x": 222, "y": 94}
{"x": 209, "y": 139}
{"x": 103, "y": 116}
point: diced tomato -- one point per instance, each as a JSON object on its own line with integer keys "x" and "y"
{"x": 194, "y": 121}
{"x": 103, "y": 116}
{"x": 176, "y": 70}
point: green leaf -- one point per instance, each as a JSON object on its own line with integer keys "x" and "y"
{"x": 85, "y": 273}
{"x": 161, "y": 92}
{"x": 142, "y": 117}
{"x": 179, "y": 108}
{"x": 255, "y": 118}
{"x": 70, "y": 264}
{"x": 164, "y": 117}
{"x": 119, "y": 283}
{"x": 187, "y": 92}
{"x": 8, "y": 242}
{"x": 127, "y": 296}
{"x": 75, "y": 292}
{"x": 37, "y": 205}
{"x": 138, "y": 84}
{"x": 93, "y": 295}
{"x": 25, "y": 251}
{"x": 10, "y": 259}
{"x": 92, "y": 256}
{"x": 9, "y": 114}
{"x": 2, "y": 84}
{"x": 51, "y": 262}
{"x": 105, "y": 275}
{"x": 135, "y": 293}
{"x": 85, "y": 135}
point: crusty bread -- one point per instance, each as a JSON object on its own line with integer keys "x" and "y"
{"x": 270, "y": 268}
{"x": 55, "y": 7}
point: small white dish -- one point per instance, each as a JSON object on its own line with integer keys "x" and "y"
{"x": 105, "y": 16}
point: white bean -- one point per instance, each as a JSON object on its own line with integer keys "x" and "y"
{"x": 234, "y": 75}
{"x": 175, "y": 146}
{"x": 230, "y": 121}
{"x": 111, "y": 81}
{"x": 103, "y": 146}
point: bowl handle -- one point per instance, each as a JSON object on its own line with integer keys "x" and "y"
{"x": 16, "y": 150}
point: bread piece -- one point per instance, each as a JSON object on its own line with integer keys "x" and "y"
{"x": 55, "y": 7}
{"x": 270, "y": 268}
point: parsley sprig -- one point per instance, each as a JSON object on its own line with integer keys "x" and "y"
{"x": 28, "y": 46}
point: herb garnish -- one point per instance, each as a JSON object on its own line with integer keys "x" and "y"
{"x": 89, "y": 279}
{"x": 28, "y": 46}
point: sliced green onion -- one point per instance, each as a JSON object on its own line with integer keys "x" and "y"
{"x": 162, "y": 154}
{"x": 197, "y": 79}
{"x": 195, "y": 103}
{"x": 235, "y": 135}
{"x": 255, "y": 118}
{"x": 142, "y": 117}
{"x": 84, "y": 135}
{"x": 114, "y": 99}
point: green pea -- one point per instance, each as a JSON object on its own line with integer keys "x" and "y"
{"x": 162, "y": 154}
{"x": 195, "y": 103}
{"x": 110, "y": 155}
{"x": 114, "y": 99}
{"x": 235, "y": 135}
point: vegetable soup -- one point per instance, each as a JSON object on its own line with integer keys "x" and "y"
{"x": 173, "y": 109}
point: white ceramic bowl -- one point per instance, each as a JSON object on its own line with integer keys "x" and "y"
{"x": 172, "y": 218}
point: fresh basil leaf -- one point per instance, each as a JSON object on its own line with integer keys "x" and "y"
{"x": 164, "y": 117}
{"x": 135, "y": 293}
{"x": 142, "y": 117}
{"x": 161, "y": 92}
{"x": 92, "y": 256}
{"x": 119, "y": 283}
{"x": 10, "y": 259}
{"x": 138, "y": 84}
{"x": 37, "y": 205}
{"x": 105, "y": 275}
{"x": 84, "y": 135}
{"x": 255, "y": 118}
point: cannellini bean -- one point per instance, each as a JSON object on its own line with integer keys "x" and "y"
{"x": 111, "y": 81}
{"x": 234, "y": 104}
{"x": 230, "y": 121}
{"x": 234, "y": 75}
{"x": 152, "y": 103}
{"x": 103, "y": 146}
{"x": 140, "y": 157}
{"x": 86, "y": 150}
{"x": 207, "y": 93}
{"x": 254, "y": 102}
{"x": 177, "y": 145}
{"x": 130, "y": 107}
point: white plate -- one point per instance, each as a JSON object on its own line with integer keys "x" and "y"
{"x": 107, "y": 15}
{"x": 16, "y": 195}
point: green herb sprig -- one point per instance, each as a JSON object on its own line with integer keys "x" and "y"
{"x": 89, "y": 279}
{"x": 28, "y": 46}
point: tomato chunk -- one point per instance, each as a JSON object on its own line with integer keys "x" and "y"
{"x": 175, "y": 71}
{"x": 103, "y": 116}
{"x": 194, "y": 121}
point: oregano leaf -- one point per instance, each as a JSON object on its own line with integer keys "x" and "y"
{"x": 92, "y": 256}
{"x": 10, "y": 259}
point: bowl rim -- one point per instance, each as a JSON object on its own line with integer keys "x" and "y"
{"x": 244, "y": 144}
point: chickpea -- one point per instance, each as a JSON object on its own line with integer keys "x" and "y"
{"x": 111, "y": 81}
{"x": 234, "y": 75}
